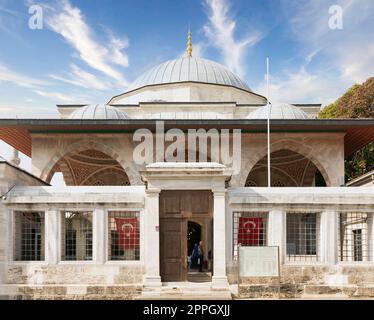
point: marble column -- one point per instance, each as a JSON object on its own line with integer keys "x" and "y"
{"x": 219, "y": 279}
{"x": 99, "y": 236}
{"x": 277, "y": 232}
{"x": 52, "y": 236}
{"x": 152, "y": 239}
{"x": 329, "y": 237}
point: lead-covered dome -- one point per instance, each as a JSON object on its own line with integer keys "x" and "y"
{"x": 189, "y": 69}
{"x": 279, "y": 111}
{"x": 98, "y": 112}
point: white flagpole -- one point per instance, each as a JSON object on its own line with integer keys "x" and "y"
{"x": 268, "y": 119}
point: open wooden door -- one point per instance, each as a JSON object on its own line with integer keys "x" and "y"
{"x": 173, "y": 249}
{"x": 176, "y": 207}
{"x": 173, "y": 238}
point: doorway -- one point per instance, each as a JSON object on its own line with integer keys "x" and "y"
{"x": 178, "y": 233}
{"x": 193, "y": 239}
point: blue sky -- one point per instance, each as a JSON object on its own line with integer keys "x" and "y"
{"x": 89, "y": 51}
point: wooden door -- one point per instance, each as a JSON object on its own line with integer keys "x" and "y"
{"x": 173, "y": 237}
{"x": 173, "y": 249}
{"x": 176, "y": 207}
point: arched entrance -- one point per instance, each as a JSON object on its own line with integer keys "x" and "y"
{"x": 288, "y": 169}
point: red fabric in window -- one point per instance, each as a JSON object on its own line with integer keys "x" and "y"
{"x": 128, "y": 232}
{"x": 249, "y": 231}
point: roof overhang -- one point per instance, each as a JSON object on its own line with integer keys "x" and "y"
{"x": 17, "y": 132}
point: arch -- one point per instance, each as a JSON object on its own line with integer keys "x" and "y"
{"x": 97, "y": 173}
{"x": 80, "y": 146}
{"x": 285, "y": 144}
{"x": 280, "y": 171}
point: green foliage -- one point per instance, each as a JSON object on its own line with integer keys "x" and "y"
{"x": 328, "y": 112}
{"x": 357, "y": 102}
{"x": 360, "y": 162}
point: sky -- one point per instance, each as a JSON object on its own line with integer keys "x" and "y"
{"x": 90, "y": 50}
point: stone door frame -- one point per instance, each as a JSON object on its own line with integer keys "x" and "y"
{"x": 185, "y": 176}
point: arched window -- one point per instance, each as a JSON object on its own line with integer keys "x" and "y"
{"x": 91, "y": 168}
{"x": 288, "y": 169}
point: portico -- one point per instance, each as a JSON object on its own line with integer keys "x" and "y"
{"x": 185, "y": 177}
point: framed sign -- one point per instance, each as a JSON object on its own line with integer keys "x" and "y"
{"x": 258, "y": 261}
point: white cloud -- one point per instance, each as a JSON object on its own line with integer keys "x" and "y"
{"x": 54, "y": 95}
{"x": 72, "y": 26}
{"x": 349, "y": 51}
{"x": 220, "y": 30}
{"x": 79, "y": 77}
{"x": 116, "y": 48}
{"x": 301, "y": 86}
{"x": 358, "y": 65}
{"x": 19, "y": 79}
{"x": 198, "y": 49}
{"x": 343, "y": 57}
{"x": 9, "y": 111}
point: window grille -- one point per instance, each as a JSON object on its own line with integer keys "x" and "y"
{"x": 250, "y": 183}
{"x": 29, "y": 236}
{"x": 302, "y": 236}
{"x": 249, "y": 229}
{"x": 278, "y": 184}
{"x": 124, "y": 235}
{"x": 76, "y": 235}
{"x": 353, "y": 237}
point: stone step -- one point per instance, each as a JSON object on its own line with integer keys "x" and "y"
{"x": 183, "y": 295}
{"x": 186, "y": 290}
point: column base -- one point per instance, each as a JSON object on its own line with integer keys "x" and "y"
{"x": 220, "y": 283}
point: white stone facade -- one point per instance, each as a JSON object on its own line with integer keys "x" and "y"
{"x": 79, "y": 277}
{"x": 103, "y": 179}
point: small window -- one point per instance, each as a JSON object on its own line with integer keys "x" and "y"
{"x": 353, "y": 236}
{"x": 249, "y": 229}
{"x": 76, "y": 235}
{"x": 302, "y": 237}
{"x": 124, "y": 235}
{"x": 357, "y": 244}
{"x": 29, "y": 237}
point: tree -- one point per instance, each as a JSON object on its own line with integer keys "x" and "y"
{"x": 357, "y": 102}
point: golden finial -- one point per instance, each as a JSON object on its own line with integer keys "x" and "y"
{"x": 189, "y": 45}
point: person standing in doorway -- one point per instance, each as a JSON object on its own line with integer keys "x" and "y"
{"x": 200, "y": 259}
{"x": 195, "y": 255}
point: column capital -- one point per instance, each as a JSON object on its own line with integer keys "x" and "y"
{"x": 52, "y": 210}
{"x": 219, "y": 192}
{"x": 153, "y": 192}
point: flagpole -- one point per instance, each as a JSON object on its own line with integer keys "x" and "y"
{"x": 268, "y": 119}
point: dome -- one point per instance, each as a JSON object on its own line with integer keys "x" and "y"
{"x": 189, "y": 69}
{"x": 280, "y": 111}
{"x": 98, "y": 111}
